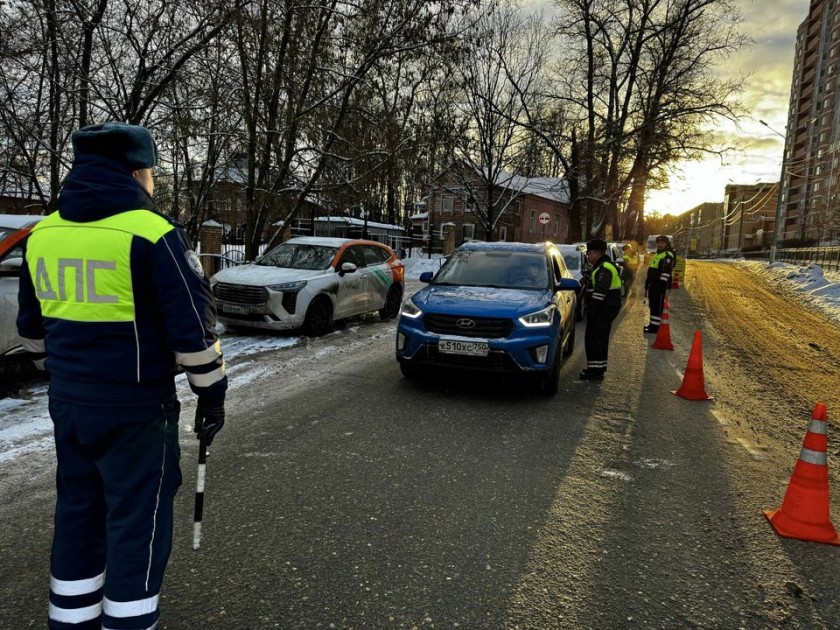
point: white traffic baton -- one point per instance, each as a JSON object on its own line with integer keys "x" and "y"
{"x": 199, "y": 493}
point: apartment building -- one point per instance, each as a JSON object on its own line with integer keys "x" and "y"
{"x": 810, "y": 193}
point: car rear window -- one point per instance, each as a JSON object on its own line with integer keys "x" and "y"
{"x": 299, "y": 256}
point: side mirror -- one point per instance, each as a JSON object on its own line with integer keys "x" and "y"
{"x": 11, "y": 267}
{"x": 567, "y": 284}
{"x": 347, "y": 267}
{"x": 426, "y": 276}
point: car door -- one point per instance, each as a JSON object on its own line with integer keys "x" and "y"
{"x": 565, "y": 300}
{"x": 378, "y": 276}
{"x": 351, "y": 297}
{"x": 9, "y": 278}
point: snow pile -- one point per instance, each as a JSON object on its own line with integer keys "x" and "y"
{"x": 416, "y": 265}
{"x": 819, "y": 289}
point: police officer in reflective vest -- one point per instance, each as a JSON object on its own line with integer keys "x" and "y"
{"x": 658, "y": 281}
{"x": 604, "y": 302}
{"x": 115, "y": 301}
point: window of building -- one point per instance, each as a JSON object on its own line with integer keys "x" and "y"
{"x": 503, "y": 233}
{"x": 425, "y": 225}
{"x": 532, "y": 223}
{"x": 469, "y": 231}
{"x": 448, "y": 204}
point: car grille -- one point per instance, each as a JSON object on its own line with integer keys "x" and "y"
{"x": 485, "y": 327}
{"x": 240, "y": 293}
{"x": 495, "y": 361}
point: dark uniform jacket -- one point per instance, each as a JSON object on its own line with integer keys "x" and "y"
{"x": 604, "y": 285}
{"x": 660, "y": 269}
{"x": 115, "y": 297}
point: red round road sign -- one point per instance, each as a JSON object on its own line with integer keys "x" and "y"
{"x": 544, "y": 218}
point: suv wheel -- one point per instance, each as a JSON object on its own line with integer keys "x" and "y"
{"x": 318, "y": 319}
{"x": 393, "y": 301}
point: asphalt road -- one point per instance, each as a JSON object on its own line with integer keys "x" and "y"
{"x": 340, "y": 495}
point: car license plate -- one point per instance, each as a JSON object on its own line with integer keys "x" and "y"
{"x": 235, "y": 308}
{"x": 456, "y": 346}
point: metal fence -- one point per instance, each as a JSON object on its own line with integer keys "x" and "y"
{"x": 828, "y": 258}
{"x": 231, "y": 256}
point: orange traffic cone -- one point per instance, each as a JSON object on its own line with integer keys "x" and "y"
{"x": 804, "y": 511}
{"x": 675, "y": 281}
{"x": 663, "y": 334}
{"x": 692, "y": 387}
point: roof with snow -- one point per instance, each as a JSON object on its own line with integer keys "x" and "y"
{"x": 355, "y": 221}
{"x": 552, "y": 188}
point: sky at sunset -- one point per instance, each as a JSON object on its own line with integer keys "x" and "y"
{"x": 772, "y": 25}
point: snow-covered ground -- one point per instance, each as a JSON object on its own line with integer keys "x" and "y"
{"x": 25, "y": 427}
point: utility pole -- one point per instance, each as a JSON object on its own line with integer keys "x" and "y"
{"x": 775, "y": 243}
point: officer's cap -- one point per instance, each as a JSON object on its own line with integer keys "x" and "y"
{"x": 662, "y": 239}
{"x": 130, "y": 145}
{"x": 598, "y": 244}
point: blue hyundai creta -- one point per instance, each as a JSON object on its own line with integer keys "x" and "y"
{"x": 494, "y": 307}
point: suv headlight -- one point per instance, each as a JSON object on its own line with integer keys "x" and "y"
{"x": 541, "y": 318}
{"x": 410, "y": 309}
{"x": 288, "y": 287}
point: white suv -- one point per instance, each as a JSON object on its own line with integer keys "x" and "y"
{"x": 309, "y": 282}
{"x": 14, "y": 228}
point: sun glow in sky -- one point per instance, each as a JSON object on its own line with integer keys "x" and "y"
{"x": 769, "y": 62}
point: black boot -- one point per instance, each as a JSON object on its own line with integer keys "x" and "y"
{"x": 650, "y": 330}
{"x": 591, "y": 375}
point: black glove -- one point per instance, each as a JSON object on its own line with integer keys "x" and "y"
{"x": 209, "y": 418}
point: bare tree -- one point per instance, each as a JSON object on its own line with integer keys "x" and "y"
{"x": 500, "y": 78}
{"x": 301, "y": 66}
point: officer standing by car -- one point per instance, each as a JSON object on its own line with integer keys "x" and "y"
{"x": 603, "y": 305}
{"x": 114, "y": 299}
{"x": 658, "y": 281}
{"x": 631, "y": 266}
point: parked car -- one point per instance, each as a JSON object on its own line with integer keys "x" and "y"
{"x": 494, "y": 307}
{"x": 575, "y": 258}
{"x": 309, "y": 282}
{"x": 14, "y": 229}
{"x": 616, "y": 254}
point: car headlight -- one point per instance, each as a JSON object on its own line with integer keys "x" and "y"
{"x": 410, "y": 309}
{"x": 541, "y": 318}
{"x": 288, "y": 287}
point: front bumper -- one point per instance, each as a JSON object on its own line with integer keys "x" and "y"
{"x": 515, "y": 353}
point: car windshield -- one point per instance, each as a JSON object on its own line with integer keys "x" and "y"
{"x": 299, "y": 256}
{"x": 500, "y": 269}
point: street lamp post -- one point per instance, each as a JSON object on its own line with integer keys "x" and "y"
{"x": 775, "y": 243}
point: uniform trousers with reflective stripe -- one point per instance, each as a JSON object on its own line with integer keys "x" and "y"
{"x": 118, "y": 472}
{"x": 656, "y": 302}
{"x": 599, "y": 321}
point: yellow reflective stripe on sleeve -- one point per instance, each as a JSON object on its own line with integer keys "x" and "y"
{"x": 130, "y": 609}
{"x": 33, "y": 345}
{"x": 208, "y": 379}
{"x": 77, "y": 587}
{"x": 75, "y": 615}
{"x": 200, "y": 358}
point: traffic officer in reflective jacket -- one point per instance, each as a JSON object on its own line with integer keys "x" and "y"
{"x": 658, "y": 281}
{"x": 114, "y": 300}
{"x": 604, "y": 303}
